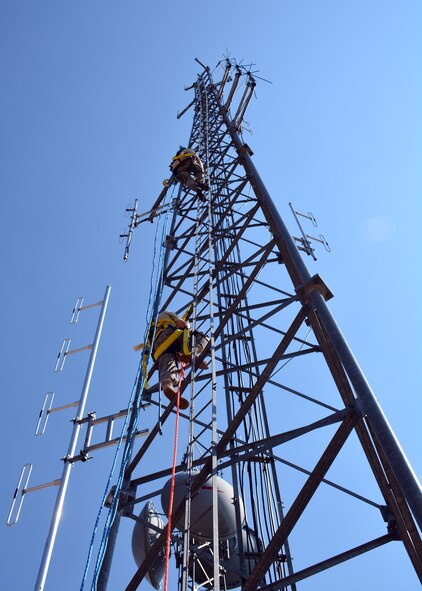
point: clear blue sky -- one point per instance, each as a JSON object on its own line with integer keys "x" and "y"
{"x": 90, "y": 91}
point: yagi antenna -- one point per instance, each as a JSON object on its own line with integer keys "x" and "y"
{"x": 148, "y": 216}
{"x": 304, "y": 242}
{"x": 132, "y": 226}
{"x": 22, "y": 487}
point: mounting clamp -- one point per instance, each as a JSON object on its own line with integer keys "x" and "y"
{"x": 315, "y": 283}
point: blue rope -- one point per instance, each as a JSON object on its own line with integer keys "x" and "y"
{"x": 156, "y": 288}
{"x": 129, "y": 442}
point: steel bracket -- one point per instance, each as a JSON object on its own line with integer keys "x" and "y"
{"x": 245, "y": 148}
{"x": 305, "y": 290}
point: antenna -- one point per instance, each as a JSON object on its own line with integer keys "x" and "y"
{"x": 22, "y": 487}
{"x": 132, "y": 226}
{"x": 48, "y": 550}
{"x": 304, "y": 243}
{"x": 240, "y": 501}
{"x": 148, "y": 216}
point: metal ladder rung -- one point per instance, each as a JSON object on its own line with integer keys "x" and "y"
{"x": 83, "y": 455}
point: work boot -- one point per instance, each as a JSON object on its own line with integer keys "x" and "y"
{"x": 200, "y": 196}
{"x": 183, "y": 403}
{"x": 168, "y": 389}
{"x": 170, "y": 393}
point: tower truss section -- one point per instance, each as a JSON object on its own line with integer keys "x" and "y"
{"x": 282, "y": 414}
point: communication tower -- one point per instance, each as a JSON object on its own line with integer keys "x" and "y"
{"x": 277, "y": 412}
{"x": 281, "y": 383}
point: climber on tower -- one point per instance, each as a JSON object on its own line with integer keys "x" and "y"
{"x": 187, "y": 168}
{"x": 173, "y": 343}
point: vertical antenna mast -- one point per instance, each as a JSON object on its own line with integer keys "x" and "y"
{"x": 64, "y": 481}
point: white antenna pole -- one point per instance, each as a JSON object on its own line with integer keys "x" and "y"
{"x": 48, "y": 550}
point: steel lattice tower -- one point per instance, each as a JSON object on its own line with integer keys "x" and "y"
{"x": 272, "y": 338}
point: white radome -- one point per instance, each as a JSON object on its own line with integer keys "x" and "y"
{"x": 143, "y": 537}
{"x": 201, "y": 507}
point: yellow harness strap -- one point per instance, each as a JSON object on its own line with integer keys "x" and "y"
{"x": 183, "y": 156}
{"x": 186, "y": 350}
{"x": 166, "y": 344}
{"x": 171, "y": 339}
{"x": 145, "y": 370}
{"x": 160, "y": 326}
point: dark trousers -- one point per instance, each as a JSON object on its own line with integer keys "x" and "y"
{"x": 168, "y": 364}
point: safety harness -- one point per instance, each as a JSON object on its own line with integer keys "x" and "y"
{"x": 178, "y": 333}
{"x": 160, "y": 325}
{"x": 172, "y": 338}
{"x": 180, "y": 157}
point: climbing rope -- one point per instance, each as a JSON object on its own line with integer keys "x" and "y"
{"x": 156, "y": 286}
{"x": 173, "y": 476}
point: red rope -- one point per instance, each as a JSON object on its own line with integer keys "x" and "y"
{"x": 173, "y": 473}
